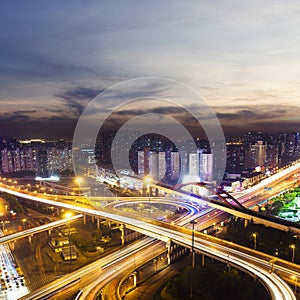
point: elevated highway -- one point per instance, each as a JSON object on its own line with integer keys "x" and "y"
{"x": 244, "y": 259}
{"x": 203, "y": 243}
{"x": 30, "y": 232}
{"x": 235, "y": 254}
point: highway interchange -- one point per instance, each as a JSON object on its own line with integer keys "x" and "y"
{"x": 163, "y": 231}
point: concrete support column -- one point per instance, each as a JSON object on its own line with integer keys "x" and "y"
{"x": 245, "y": 223}
{"x": 12, "y": 245}
{"x": 122, "y": 228}
{"x": 84, "y": 219}
{"x": 134, "y": 279}
{"x": 93, "y": 219}
{"x": 98, "y": 223}
{"x": 30, "y": 239}
{"x": 203, "y": 260}
{"x": 109, "y": 224}
{"x": 169, "y": 248}
{"x": 49, "y": 231}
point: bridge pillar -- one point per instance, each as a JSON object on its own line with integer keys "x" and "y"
{"x": 134, "y": 279}
{"x": 84, "y": 219}
{"x": 49, "y": 231}
{"x": 245, "y": 223}
{"x": 122, "y": 228}
{"x": 30, "y": 239}
{"x": 12, "y": 245}
{"x": 203, "y": 260}
{"x": 169, "y": 248}
{"x": 109, "y": 224}
{"x": 93, "y": 219}
{"x": 98, "y": 223}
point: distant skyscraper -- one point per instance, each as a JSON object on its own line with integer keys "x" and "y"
{"x": 235, "y": 157}
{"x": 256, "y": 156}
{"x": 184, "y": 162}
{"x": 146, "y": 160}
{"x": 141, "y": 163}
{"x": 206, "y": 166}
{"x": 19, "y": 159}
{"x": 59, "y": 160}
{"x": 194, "y": 166}
{"x": 272, "y": 155}
{"x": 175, "y": 165}
{"x": 7, "y": 161}
{"x": 153, "y": 165}
{"x": 162, "y": 165}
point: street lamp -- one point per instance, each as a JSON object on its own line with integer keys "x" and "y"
{"x": 193, "y": 257}
{"x": 293, "y": 247}
{"x": 294, "y": 278}
{"x": 148, "y": 180}
{"x": 98, "y": 250}
{"x": 155, "y": 265}
{"x": 68, "y": 216}
{"x": 78, "y": 181}
{"x": 254, "y": 235}
{"x": 23, "y": 221}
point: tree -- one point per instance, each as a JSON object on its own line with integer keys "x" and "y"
{"x": 97, "y": 234}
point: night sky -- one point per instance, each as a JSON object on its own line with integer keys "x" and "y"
{"x": 56, "y": 56}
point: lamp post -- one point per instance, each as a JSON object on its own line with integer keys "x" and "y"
{"x": 272, "y": 261}
{"x": 193, "y": 257}
{"x": 68, "y": 216}
{"x": 294, "y": 278}
{"x": 254, "y": 235}
{"x": 23, "y": 221}
{"x": 293, "y": 247}
{"x": 78, "y": 181}
{"x": 98, "y": 250}
{"x": 147, "y": 181}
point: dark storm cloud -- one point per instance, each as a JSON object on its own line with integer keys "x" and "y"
{"x": 257, "y": 113}
{"x": 77, "y": 99}
{"x": 17, "y": 116}
{"x": 244, "y": 114}
{"x": 165, "y": 110}
{"x": 23, "y": 112}
{"x": 55, "y": 110}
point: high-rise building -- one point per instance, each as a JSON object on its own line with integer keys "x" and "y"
{"x": 19, "y": 159}
{"x": 235, "y": 157}
{"x": 175, "y": 165}
{"x": 7, "y": 165}
{"x": 256, "y": 155}
{"x": 272, "y": 155}
{"x": 153, "y": 165}
{"x": 162, "y": 165}
{"x": 206, "y": 166}
{"x": 184, "y": 162}
{"x": 141, "y": 163}
{"x": 194, "y": 166}
{"x": 59, "y": 160}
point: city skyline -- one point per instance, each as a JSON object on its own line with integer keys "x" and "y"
{"x": 56, "y": 57}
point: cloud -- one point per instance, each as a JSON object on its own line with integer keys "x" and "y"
{"x": 76, "y": 99}
{"x": 257, "y": 113}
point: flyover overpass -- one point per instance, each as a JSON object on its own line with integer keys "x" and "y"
{"x": 168, "y": 232}
{"x": 30, "y": 232}
{"x": 220, "y": 250}
{"x": 237, "y": 205}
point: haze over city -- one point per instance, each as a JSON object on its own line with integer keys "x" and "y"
{"x": 243, "y": 58}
